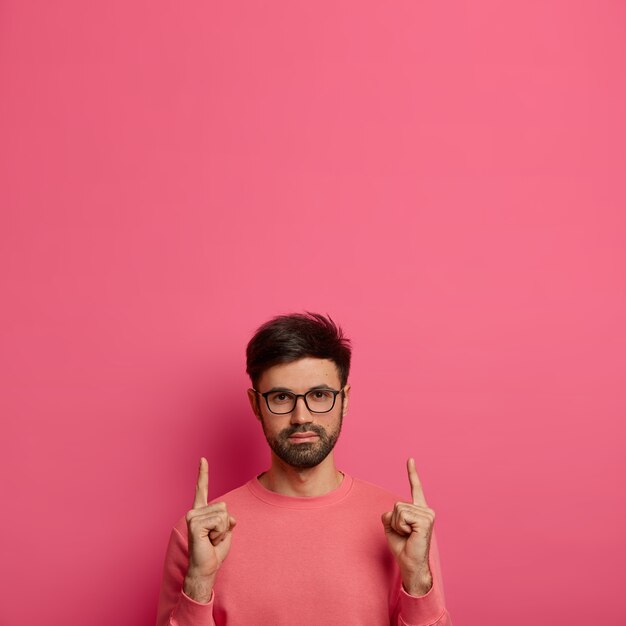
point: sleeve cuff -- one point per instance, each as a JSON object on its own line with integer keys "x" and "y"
{"x": 191, "y": 612}
{"x": 421, "y": 610}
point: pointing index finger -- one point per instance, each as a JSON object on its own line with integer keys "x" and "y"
{"x": 202, "y": 486}
{"x": 417, "y": 493}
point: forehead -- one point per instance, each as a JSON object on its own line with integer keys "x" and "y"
{"x": 301, "y": 375}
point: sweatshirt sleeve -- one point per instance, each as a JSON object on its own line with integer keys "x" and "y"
{"x": 175, "y": 608}
{"x": 429, "y": 609}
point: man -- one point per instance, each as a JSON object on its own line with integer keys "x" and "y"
{"x": 303, "y": 544}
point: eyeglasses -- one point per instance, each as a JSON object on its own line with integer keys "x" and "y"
{"x": 316, "y": 400}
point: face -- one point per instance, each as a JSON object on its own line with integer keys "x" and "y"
{"x": 286, "y": 434}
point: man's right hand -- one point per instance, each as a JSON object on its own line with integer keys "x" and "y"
{"x": 209, "y": 529}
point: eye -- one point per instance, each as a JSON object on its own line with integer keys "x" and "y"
{"x": 280, "y": 397}
{"x": 320, "y": 395}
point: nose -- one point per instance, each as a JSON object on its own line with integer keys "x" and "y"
{"x": 300, "y": 413}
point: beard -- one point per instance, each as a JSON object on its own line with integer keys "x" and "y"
{"x": 304, "y": 455}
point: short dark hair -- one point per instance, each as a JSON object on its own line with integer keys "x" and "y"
{"x": 287, "y": 338}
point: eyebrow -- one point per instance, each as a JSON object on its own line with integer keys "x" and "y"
{"x": 273, "y": 389}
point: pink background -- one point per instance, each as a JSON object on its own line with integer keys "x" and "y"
{"x": 445, "y": 179}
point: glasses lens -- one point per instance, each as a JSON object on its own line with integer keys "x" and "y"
{"x": 281, "y": 402}
{"x": 320, "y": 400}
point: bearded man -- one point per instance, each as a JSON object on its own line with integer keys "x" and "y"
{"x": 303, "y": 543}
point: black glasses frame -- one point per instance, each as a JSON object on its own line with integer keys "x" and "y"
{"x": 299, "y": 395}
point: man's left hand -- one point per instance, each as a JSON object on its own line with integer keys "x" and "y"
{"x": 408, "y": 529}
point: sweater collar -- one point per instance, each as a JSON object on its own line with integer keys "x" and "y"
{"x": 300, "y": 502}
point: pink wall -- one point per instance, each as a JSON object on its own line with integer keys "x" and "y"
{"x": 445, "y": 179}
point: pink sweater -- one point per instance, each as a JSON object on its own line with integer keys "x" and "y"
{"x": 299, "y": 561}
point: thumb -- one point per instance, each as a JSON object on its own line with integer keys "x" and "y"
{"x": 386, "y": 520}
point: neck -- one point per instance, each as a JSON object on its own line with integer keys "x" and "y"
{"x": 295, "y": 481}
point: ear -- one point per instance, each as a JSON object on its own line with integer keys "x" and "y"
{"x": 254, "y": 403}
{"x": 346, "y": 398}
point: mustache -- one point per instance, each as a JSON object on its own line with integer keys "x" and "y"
{"x": 303, "y": 428}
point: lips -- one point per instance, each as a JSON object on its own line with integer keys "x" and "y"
{"x": 304, "y": 437}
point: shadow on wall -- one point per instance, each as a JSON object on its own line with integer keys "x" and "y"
{"x": 225, "y": 431}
